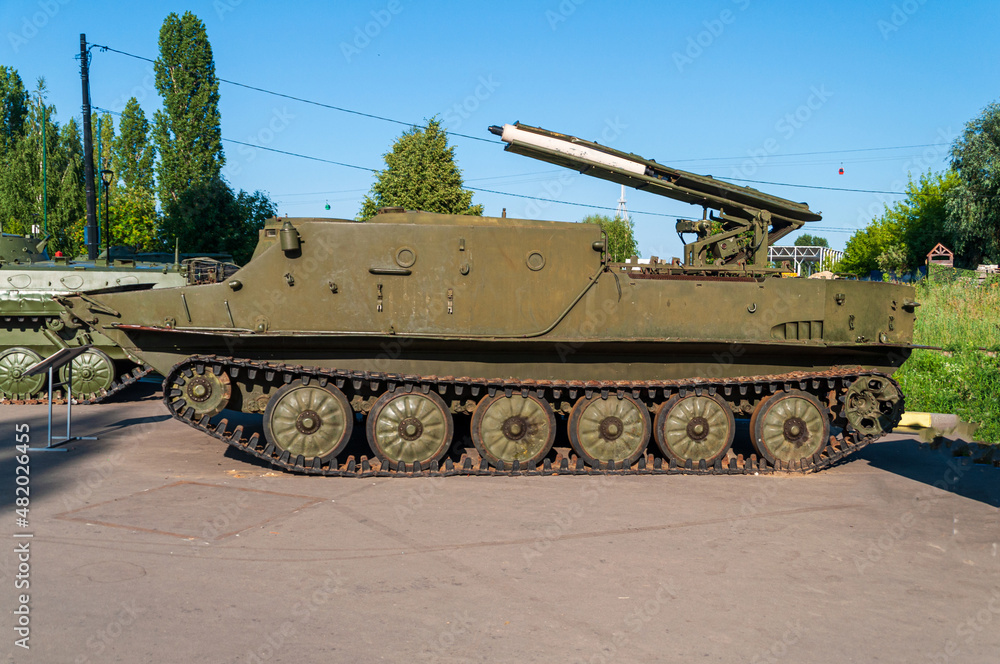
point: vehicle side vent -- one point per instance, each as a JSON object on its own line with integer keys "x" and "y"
{"x": 802, "y": 330}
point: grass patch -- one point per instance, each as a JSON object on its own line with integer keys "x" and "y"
{"x": 961, "y": 316}
{"x": 958, "y": 313}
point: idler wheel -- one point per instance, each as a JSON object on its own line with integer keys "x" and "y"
{"x": 694, "y": 428}
{"x": 310, "y": 420}
{"x": 873, "y": 405}
{"x": 515, "y": 428}
{"x": 93, "y": 371}
{"x": 207, "y": 393}
{"x": 613, "y": 429}
{"x": 789, "y": 425}
{"x": 13, "y": 383}
{"x": 409, "y": 427}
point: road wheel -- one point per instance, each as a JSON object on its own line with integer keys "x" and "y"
{"x": 93, "y": 371}
{"x": 515, "y": 428}
{"x": 13, "y": 383}
{"x": 789, "y": 425}
{"x": 409, "y": 427}
{"x": 694, "y": 428}
{"x": 310, "y": 420}
{"x": 612, "y": 429}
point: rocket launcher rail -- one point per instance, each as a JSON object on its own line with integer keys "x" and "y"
{"x": 748, "y": 221}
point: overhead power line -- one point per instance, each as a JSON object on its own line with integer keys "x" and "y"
{"x": 803, "y": 154}
{"x": 308, "y": 101}
{"x": 480, "y": 189}
{"x": 813, "y": 186}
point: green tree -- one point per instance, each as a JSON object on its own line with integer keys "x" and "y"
{"x": 69, "y": 215}
{"x": 420, "y": 174}
{"x": 621, "y": 236}
{"x": 21, "y": 189}
{"x": 924, "y": 215}
{"x": 13, "y": 108}
{"x": 806, "y": 240}
{"x": 105, "y": 159}
{"x": 134, "y": 154}
{"x": 134, "y": 219}
{"x": 188, "y": 129}
{"x": 974, "y": 202}
{"x": 866, "y": 245}
{"x": 901, "y": 237}
{"x": 234, "y": 220}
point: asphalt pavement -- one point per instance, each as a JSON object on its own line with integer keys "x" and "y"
{"x": 155, "y": 543}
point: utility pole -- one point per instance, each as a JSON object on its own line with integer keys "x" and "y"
{"x": 88, "y": 153}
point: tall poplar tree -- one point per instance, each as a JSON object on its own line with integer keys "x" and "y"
{"x": 13, "y": 108}
{"x": 21, "y": 190}
{"x": 420, "y": 174}
{"x": 188, "y": 129}
{"x": 134, "y": 219}
{"x": 69, "y": 214}
{"x": 14, "y": 205}
{"x": 134, "y": 153}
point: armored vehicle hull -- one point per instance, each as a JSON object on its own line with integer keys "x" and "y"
{"x": 526, "y": 326}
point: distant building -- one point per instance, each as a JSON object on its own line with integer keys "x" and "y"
{"x": 811, "y": 259}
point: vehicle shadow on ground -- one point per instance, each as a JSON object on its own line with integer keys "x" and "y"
{"x": 936, "y": 468}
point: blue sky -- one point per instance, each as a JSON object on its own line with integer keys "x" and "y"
{"x": 731, "y": 88}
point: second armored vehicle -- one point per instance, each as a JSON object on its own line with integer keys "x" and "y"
{"x": 33, "y": 325}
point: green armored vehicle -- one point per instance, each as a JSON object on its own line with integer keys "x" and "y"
{"x": 398, "y": 324}
{"x": 33, "y": 325}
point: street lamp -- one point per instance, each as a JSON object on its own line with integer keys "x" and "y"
{"x": 106, "y": 176}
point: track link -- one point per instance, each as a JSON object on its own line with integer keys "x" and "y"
{"x": 831, "y": 385}
{"x": 58, "y": 398}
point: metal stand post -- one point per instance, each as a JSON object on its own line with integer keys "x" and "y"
{"x": 51, "y": 363}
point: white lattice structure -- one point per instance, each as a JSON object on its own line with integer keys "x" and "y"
{"x": 799, "y": 256}
{"x": 622, "y": 212}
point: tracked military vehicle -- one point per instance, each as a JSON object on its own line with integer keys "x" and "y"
{"x": 400, "y": 323}
{"x": 33, "y": 325}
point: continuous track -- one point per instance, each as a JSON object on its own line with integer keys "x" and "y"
{"x": 363, "y": 386}
{"x": 59, "y": 398}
